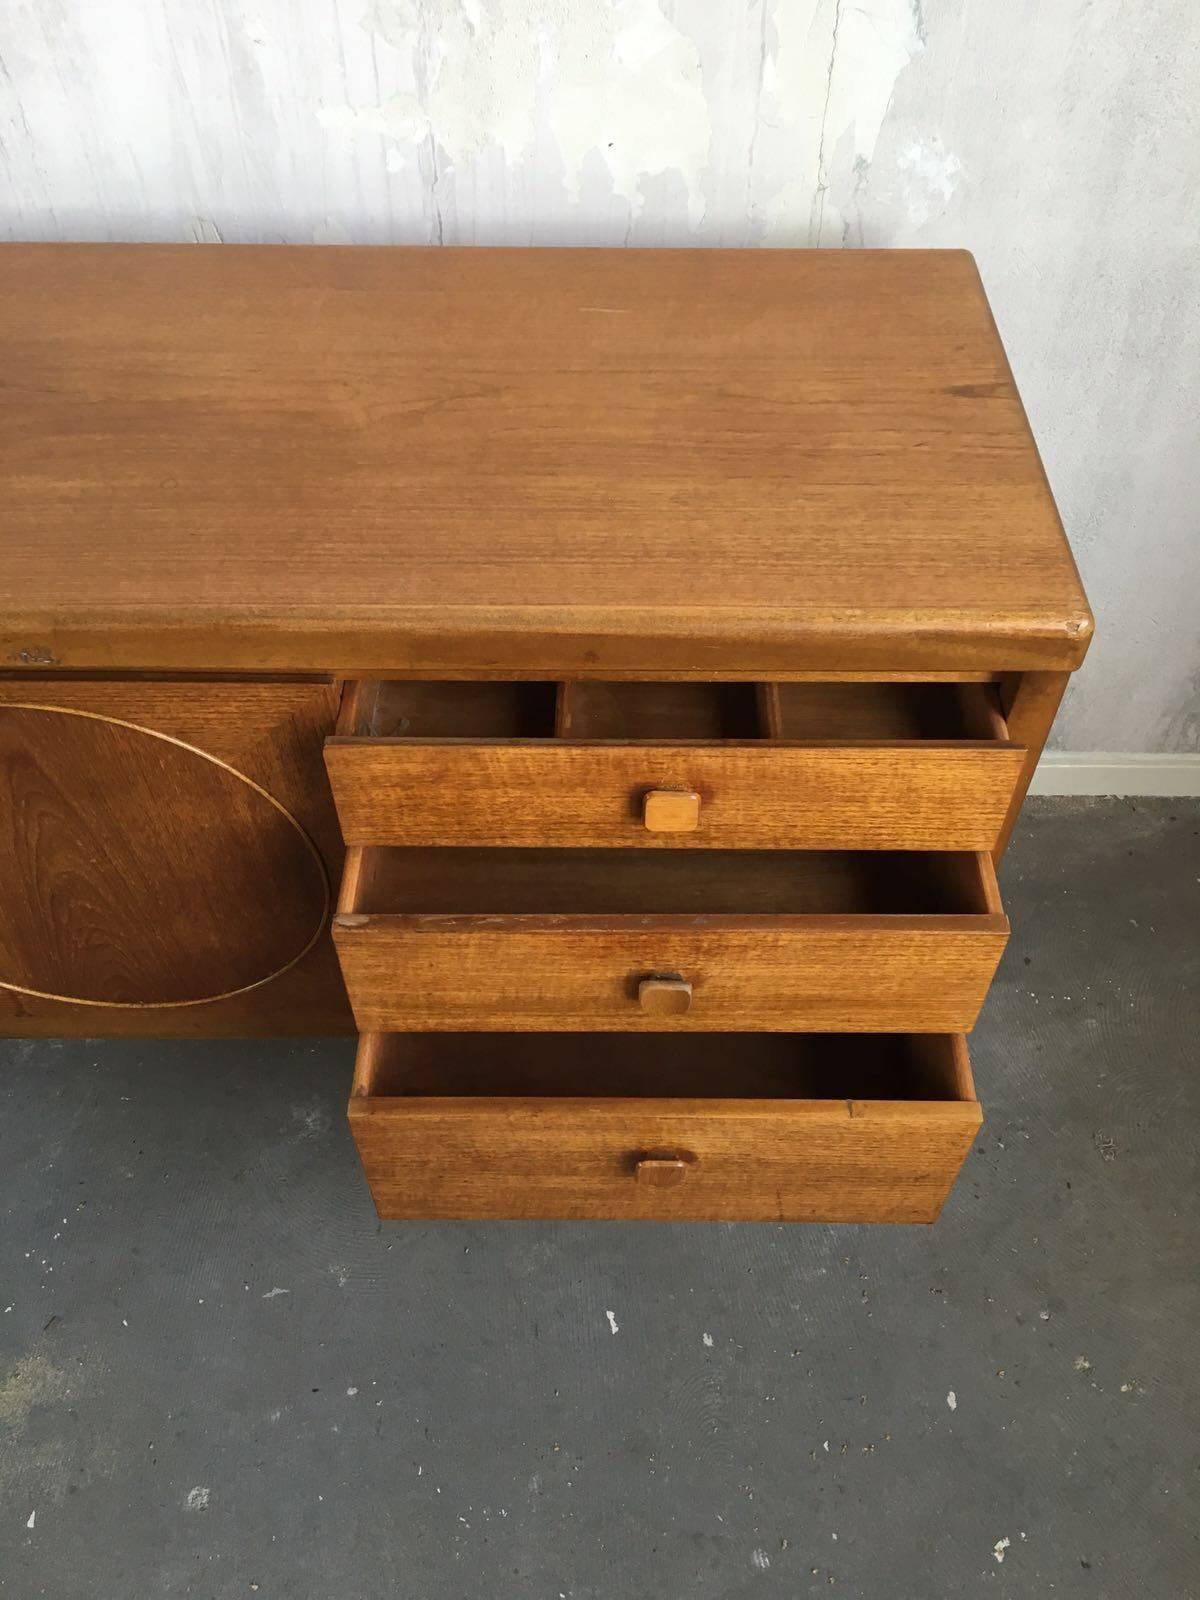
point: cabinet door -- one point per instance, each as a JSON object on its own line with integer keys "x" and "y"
{"x": 166, "y": 854}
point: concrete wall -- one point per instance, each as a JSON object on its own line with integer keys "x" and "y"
{"x": 1057, "y": 139}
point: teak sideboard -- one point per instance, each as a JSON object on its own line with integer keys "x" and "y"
{"x": 605, "y": 680}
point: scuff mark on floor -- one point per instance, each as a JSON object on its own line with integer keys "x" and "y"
{"x": 33, "y": 1381}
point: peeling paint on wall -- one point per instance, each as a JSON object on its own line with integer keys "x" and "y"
{"x": 623, "y": 85}
{"x": 828, "y": 85}
{"x": 482, "y": 121}
{"x": 933, "y": 174}
{"x": 619, "y": 82}
{"x": 630, "y": 86}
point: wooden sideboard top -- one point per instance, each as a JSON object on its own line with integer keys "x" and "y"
{"x": 362, "y": 459}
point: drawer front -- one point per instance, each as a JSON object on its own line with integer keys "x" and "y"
{"x": 802, "y": 1160}
{"x": 910, "y": 796}
{"x": 831, "y": 974}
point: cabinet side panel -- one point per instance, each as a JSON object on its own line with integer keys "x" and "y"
{"x": 1031, "y": 701}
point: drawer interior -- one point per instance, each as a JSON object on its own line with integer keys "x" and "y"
{"x": 662, "y": 711}
{"x": 885, "y": 711}
{"x": 716, "y": 1066}
{"x": 657, "y": 712}
{"x": 443, "y": 710}
{"x": 400, "y": 880}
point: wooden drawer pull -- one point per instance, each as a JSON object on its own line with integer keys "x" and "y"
{"x": 667, "y": 995}
{"x": 671, "y": 810}
{"x": 661, "y": 1172}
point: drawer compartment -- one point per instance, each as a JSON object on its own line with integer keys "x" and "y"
{"x": 719, "y": 941}
{"x": 750, "y": 1127}
{"x": 490, "y": 709}
{"x": 643, "y": 712}
{"x": 814, "y": 766}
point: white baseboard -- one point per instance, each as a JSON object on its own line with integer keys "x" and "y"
{"x": 1098, "y": 772}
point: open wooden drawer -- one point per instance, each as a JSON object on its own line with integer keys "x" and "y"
{"x": 812, "y": 766}
{"x": 770, "y": 1127}
{"x": 466, "y": 939}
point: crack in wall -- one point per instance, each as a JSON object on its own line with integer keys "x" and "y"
{"x": 756, "y": 115}
{"x": 817, "y": 210}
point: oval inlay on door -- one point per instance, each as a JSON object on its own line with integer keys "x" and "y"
{"x": 135, "y": 870}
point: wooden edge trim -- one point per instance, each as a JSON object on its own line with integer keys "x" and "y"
{"x": 366, "y": 1065}
{"x": 352, "y": 878}
{"x": 470, "y": 1107}
{"x": 242, "y": 677}
{"x": 1031, "y": 700}
{"x": 564, "y": 711}
{"x": 770, "y": 746}
{"x": 438, "y": 640}
{"x": 994, "y": 714}
{"x": 964, "y": 1079}
{"x": 770, "y": 712}
{"x": 347, "y": 921}
{"x": 990, "y": 885}
{"x": 966, "y": 1112}
{"x": 502, "y": 674}
{"x": 348, "y": 712}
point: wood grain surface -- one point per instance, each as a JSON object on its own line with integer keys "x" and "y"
{"x": 562, "y": 940}
{"x": 671, "y": 810}
{"x": 657, "y": 711}
{"x": 884, "y": 712}
{"x": 752, "y": 796}
{"x": 574, "y": 461}
{"x": 824, "y": 766}
{"x": 882, "y": 709}
{"x": 1031, "y": 701}
{"x": 502, "y": 882}
{"x": 166, "y": 851}
{"x": 576, "y": 1123}
{"x": 579, "y": 973}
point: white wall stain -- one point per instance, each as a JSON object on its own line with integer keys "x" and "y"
{"x": 622, "y": 86}
{"x": 618, "y": 83}
{"x": 933, "y": 176}
{"x": 630, "y": 87}
{"x": 467, "y": 75}
{"x": 828, "y": 85}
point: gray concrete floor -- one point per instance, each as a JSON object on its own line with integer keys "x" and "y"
{"x": 220, "y": 1376}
